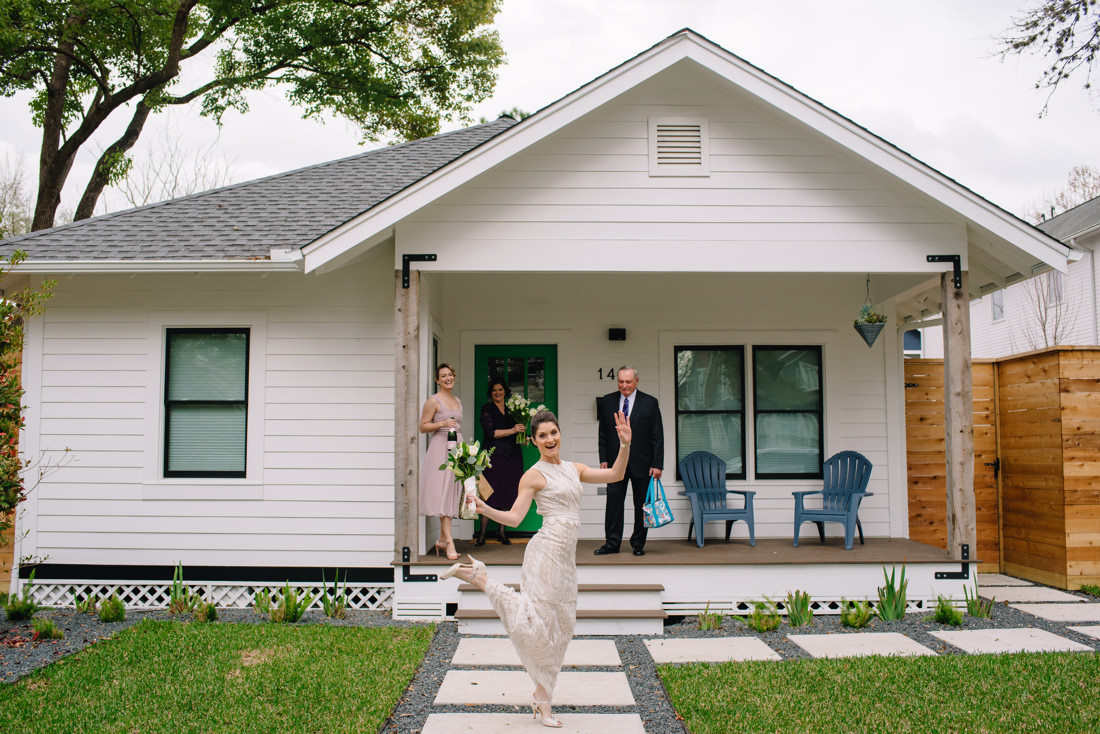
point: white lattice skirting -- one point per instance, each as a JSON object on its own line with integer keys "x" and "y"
{"x": 818, "y": 606}
{"x": 224, "y": 595}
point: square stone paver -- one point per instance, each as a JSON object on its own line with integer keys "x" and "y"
{"x": 710, "y": 650}
{"x": 491, "y": 651}
{"x": 859, "y": 645}
{"x": 1025, "y": 593}
{"x": 999, "y": 579}
{"x": 514, "y": 688}
{"x": 1010, "y": 640}
{"x": 511, "y": 723}
{"x": 1091, "y": 631}
{"x": 1082, "y": 612}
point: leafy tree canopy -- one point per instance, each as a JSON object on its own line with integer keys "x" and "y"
{"x": 393, "y": 67}
{"x": 1066, "y": 30}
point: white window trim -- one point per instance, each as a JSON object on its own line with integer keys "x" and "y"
{"x": 993, "y": 306}
{"x": 703, "y": 169}
{"x": 154, "y": 485}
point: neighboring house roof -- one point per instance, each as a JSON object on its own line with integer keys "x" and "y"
{"x": 247, "y": 220}
{"x": 1077, "y": 221}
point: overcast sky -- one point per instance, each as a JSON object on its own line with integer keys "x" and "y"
{"x": 922, "y": 74}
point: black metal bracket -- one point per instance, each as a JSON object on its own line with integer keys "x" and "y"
{"x": 956, "y": 261}
{"x": 406, "y": 259}
{"x": 406, "y": 559}
{"x": 964, "y": 573}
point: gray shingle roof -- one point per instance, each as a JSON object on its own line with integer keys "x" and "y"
{"x": 246, "y": 220}
{"x": 1072, "y": 222}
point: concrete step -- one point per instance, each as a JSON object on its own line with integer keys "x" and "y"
{"x": 589, "y": 622}
{"x": 589, "y": 596}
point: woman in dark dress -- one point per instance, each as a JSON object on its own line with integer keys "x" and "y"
{"x": 503, "y": 476}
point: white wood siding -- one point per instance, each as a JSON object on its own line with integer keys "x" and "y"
{"x": 323, "y": 492}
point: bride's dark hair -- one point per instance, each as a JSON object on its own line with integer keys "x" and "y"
{"x": 543, "y": 416}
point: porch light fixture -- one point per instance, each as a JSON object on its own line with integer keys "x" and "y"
{"x": 869, "y": 323}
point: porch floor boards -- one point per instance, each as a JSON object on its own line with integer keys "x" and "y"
{"x": 716, "y": 552}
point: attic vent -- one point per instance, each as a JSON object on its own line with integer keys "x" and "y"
{"x": 679, "y": 147}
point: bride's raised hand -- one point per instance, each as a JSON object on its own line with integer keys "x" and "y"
{"x": 622, "y": 427}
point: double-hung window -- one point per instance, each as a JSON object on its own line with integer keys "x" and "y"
{"x": 789, "y": 411}
{"x": 710, "y": 404}
{"x": 205, "y": 402}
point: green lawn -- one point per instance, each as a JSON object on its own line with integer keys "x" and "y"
{"x": 1031, "y": 692}
{"x": 170, "y": 677}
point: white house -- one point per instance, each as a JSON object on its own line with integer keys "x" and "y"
{"x": 1050, "y": 308}
{"x": 239, "y": 373}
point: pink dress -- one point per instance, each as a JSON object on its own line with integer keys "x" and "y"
{"x": 440, "y": 490}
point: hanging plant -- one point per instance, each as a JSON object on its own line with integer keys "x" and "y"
{"x": 870, "y": 322}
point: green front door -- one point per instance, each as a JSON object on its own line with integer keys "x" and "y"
{"x": 530, "y": 370}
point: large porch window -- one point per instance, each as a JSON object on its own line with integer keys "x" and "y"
{"x": 789, "y": 410}
{"x": 710, "y": 399}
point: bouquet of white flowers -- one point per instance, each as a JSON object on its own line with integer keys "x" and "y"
{"x": 518, "y": 408}
{"x": 467, "y": 461}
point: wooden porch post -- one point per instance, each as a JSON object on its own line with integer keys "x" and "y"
{"x": 406, "y": 353}
{"x": 958, "y": 394}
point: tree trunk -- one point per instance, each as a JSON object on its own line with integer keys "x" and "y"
{"x": 53, "y": 168}
{"x": 103, "y": 167}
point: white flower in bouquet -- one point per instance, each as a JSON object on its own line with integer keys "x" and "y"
{"x": 467, "y": 460}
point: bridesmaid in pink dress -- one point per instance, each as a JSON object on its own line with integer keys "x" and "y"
{"x": 439, "y": 490}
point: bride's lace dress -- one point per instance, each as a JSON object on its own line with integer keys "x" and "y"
{"x": 541, "y": 616}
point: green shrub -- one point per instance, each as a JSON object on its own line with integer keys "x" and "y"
{"x": 87, "y": 604}
{"x": 709, "y": 620}
{"x": 45, "y": 629}
{"x": 891, "y": 597}
{"x": 112, "y": 609}
{"x": 21, "y": 607}
{"x": 798, "y": 608}
{"x": 261, "y": 602}
{"x": 855, "y": 614}
{"x": 205, "y": 612}
{"x": 1092, "y": 589}
{"x": 181, "y": 599}
{"x": 290, "y": 606}
{"x": 946, "y": 613}
{"x": 334, "y": 601}
{"x": 975, "y": 606}
{"x": 764, "y": 617}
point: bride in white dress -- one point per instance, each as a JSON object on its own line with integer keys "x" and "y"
{"x": 541, "y": 616}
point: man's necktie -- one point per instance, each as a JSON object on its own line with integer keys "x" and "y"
{"x": 626, "y": 407}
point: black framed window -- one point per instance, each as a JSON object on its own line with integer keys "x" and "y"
{"x": 788, "y": 411}
{"x": 205, "y": 402}
{"x": 710, "y": 404}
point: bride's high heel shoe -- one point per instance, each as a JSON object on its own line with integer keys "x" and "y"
{"x": 475, "y": 566}
{"x": 548, "y": 721}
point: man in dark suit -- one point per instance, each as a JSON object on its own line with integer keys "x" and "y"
{"x": 647, "y": 455}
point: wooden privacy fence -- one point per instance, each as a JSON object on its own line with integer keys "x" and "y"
{"x": 1036, "y": 462}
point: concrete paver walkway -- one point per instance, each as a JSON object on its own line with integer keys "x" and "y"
{"x": 1009, "y": 640}
{"x": 859, "y": 644}
{"x": 513, "y": 688}
{"x": 511, "y": 723}
{"x": 710, "y": 650}
{"x": 1080, "y": 612}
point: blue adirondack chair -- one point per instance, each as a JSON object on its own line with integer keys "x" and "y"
{"x": 704, "y": 477}
{"x": 846, "y": 477}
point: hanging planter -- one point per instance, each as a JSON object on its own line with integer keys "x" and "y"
{"x": 869, "y": 323}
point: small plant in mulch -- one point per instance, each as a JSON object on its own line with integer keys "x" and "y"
{"x": 22, "y": 607}
{"x": 764, "y": 617}
{"x": 855, "y": 614}
{"x": 947, "y": 613}
{"x": 290, "y": 606}
{"x": 45, "y": 629}
{"x": 1091, "y": 589}
{"x": 891, "y": 597}
{"x": 334, "y": 601}
{"x": 112, "y": 609}
{"x": 87, "y": 604}
{"x": 181, "y": 599}
{"x": 204, "y": 611}
{"x": 799, "y": 612}
{"x": 261, "y": 602}
{"x": 709, "y": 620}
{"x": 977, "y": 607}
